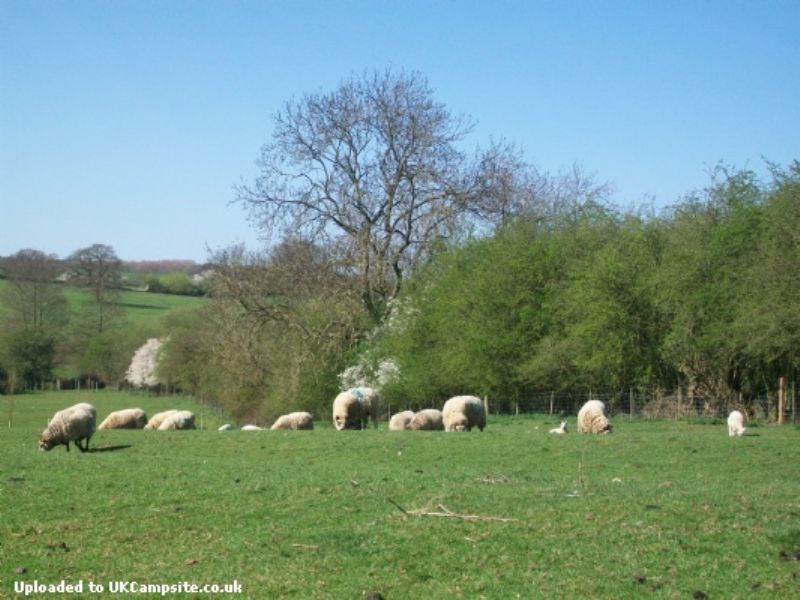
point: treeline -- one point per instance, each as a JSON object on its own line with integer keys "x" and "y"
{"x": 703, "y": 297}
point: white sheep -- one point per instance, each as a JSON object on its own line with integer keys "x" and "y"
{"x": 180, "y": 419}
{"x": 158, "y": 418}
{"x": 400, "y": 421}
{"x": 72, "y": 424}
{"x": 295, "y": 420}
{"x": 736, "y": 426}
{"x": 252, "y": 428}
{"x": 129, "y": 418}
{"x": 561, "y": 429}
{"x": 354, "y": 408}
{"x": 462, "y": 413}
{"x": 592, "y": 418}
{"x": 226, "y": 427}
{"x": 429, "y": 419}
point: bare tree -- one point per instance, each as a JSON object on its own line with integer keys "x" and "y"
{"x": 373, "y": 166}
{"x": 32, "y": 293}
{"x": 98, "y": 268}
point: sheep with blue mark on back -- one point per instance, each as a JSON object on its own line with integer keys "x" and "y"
{"x": 354, "y": 408}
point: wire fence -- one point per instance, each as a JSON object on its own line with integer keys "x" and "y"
{"x": 655, "y": 404}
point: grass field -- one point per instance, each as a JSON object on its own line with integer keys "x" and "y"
{"x": 656, "y": 510}
{"x": 137, "y": 308}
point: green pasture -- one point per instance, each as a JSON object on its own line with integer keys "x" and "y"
{"x": 663, "y": 509}
{"x": 134, "y": 307}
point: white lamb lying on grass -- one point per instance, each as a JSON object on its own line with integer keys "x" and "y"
{"x": 295, "y": 420}
{"x": 226, "y": 427}
{"x": 129, "y": 418}
{"x": 72, "y": 424}
{"x": 736, "y": 426}
{"x": 561, "y": 429}
{"x": 252, "y": 428}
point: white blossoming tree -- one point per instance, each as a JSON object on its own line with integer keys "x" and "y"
{"x": 142, "y": 372}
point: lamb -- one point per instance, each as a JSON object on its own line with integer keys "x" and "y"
{"x": 252, "y": 428}
{"x": 72, "y": 424}
{"x": 561, "y": 429}
{"x": 354, "y": 408}
{"x": 226, "y": 427}
{"x": 400, "y": 421}
{"x": 295, "y": 420}
{"x": 592, "y": 418}
{"x": 180, "y": 419}
{"x": 462, "y": 413}
{"x": 429, "y": 419}
{"x": 129, "y": 418}
{"x": 736, "y": 426}
{"x": 158, "y": 418}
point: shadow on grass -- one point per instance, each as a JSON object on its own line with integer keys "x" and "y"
{"x": 109, "y": 448}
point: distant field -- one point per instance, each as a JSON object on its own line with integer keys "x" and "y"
{"x": 655, "y": 510}
{"x": 139, "y": 308}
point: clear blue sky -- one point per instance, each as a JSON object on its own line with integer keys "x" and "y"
{"x": 129, "y": 122}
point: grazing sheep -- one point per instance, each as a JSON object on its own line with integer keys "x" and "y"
{"x": 226, "y": 427}
{"x": 252, "y": 428}
{"x": 72, "y": 424}
{"x": 129, "y": 418}
{"x": 158, "y": 418}
{"x": 592, "y": 418}
{"x": 429, "y": 419}
{"x": 736, "y": 426}
{"x": 400, "y": 421}
{"x": 561, "y": 429}
{"x": 462, "y": 413}
{"x": 180, "y": 419}
{"x": 295, "y": 420}
{"x": 354, "y": 408}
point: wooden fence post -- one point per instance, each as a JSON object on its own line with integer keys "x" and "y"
{"x": 781, "y": 399}
{"x": 630, "y": 403}
{"x": 552, "y": 401}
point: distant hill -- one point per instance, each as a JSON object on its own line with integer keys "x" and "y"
{"x": 161, "y": 266}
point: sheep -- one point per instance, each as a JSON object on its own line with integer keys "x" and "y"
{"x": 736, "y": 426}
{"x": 295, "y": 420}
{"x": 592, "y": 418}
{"x": 252, "y": 428}
{"x": 462, "y": 413}
{"x": 429, "y": 419}
{"x": 129, "y": 418}
{"x": 400, "y": 421}
{"x": 180, "y": 419}
{"x": 226, "y": 427}
{"x": 158, "y": 418}
{"x": 72, "y": 424}
{"x": 354, "y": 408}
{"x": 561, "y": 429}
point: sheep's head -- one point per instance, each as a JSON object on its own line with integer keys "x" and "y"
{"x": 45, "y": 441}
